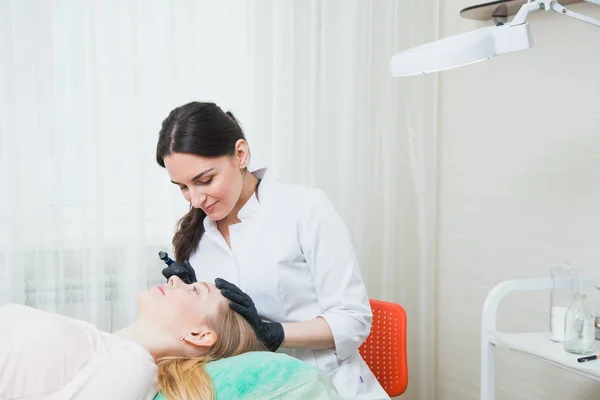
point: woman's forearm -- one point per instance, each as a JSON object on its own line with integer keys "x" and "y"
{"x": 313, "y": 334}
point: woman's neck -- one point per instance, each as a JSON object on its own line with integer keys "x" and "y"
{"x": 147, "y": 337}
{"x": 249, "y": 187}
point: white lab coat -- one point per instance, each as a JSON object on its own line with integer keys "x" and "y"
{"x": 292, "y": 254}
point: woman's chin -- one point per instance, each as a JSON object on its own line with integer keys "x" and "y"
{"x": 146, "y": 300}
{"x": 217, "y": 215}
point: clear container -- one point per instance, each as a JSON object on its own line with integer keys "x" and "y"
{"x": 579, "y": 328}
{"x": 566, "y": 283}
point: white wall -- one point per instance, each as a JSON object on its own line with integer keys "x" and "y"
{"x": 519, "y": 174}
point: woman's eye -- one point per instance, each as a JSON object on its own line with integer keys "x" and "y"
{"x": 204, "y": 182}
{"x": 194, "y": 289}
{"x": 183, "y": 188}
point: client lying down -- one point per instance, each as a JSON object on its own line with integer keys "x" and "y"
{"x": 180, "y": 328}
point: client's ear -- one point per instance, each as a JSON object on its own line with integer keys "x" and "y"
{"x": 204, "y": 337}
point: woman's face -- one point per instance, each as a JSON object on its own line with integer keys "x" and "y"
{"x": 178, "y": 308}
{"x": 212, "y": 184}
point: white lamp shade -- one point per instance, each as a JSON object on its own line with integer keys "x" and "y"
{"x": 466, "y": 48}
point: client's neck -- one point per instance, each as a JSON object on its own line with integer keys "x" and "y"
{"x": 148, "y": 337}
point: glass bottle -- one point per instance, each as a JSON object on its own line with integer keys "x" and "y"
{"x": 566, "y": 283}
{"x": 579, "y": 328}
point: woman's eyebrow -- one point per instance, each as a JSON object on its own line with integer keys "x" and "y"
{"x": 197, "y": 176}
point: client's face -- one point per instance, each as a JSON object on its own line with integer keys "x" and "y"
{"x": 178, "y": 307}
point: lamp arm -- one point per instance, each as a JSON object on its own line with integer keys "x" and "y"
{"x": 556, "y": 6}
{"x": 525, "y": 10}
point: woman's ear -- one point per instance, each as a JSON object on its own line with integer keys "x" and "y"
{"x": 242, "y": 152}
{"x": 204, "y": 337}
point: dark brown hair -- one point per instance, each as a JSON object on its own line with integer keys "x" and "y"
{"x": 205, "y": 130}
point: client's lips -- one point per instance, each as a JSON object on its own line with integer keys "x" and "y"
{"x": 161, "y": 290}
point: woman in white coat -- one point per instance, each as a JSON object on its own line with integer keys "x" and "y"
{"x": 284, "y": 245}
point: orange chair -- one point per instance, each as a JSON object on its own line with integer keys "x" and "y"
{"x": 384, "y": 351}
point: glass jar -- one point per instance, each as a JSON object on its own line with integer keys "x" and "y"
{"x": 579, "y": 328}
{"x": 566, "y": 283}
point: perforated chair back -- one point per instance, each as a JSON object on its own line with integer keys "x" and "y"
{"x": 384, "y": 351}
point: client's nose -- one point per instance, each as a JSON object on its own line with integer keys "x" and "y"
{"x": 174, "y": 281}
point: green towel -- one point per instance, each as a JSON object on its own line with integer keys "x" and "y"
{"x": 266, "y": 375}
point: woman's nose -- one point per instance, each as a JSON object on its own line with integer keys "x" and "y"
{"x": 174, "y": 281}
{"x": 197, "y": 198}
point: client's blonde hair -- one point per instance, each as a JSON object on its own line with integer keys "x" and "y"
{"x": 186, "y": 379}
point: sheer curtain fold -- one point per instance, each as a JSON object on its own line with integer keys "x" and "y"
{"x": 84, "y": 208}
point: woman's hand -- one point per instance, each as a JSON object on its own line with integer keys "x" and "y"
{"x": 269, "y": 333}
{"x": 184, "y": 271}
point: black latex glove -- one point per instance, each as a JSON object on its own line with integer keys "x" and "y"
{"x": 184, "y": 271}
{"x": 269, "y": 333}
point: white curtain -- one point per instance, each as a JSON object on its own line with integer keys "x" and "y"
{"x": 84, "y": 86}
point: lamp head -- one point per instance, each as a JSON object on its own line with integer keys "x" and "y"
{"x": 463, "y": 49}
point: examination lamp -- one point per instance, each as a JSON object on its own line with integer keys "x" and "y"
{"x": 478, "y": 45}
